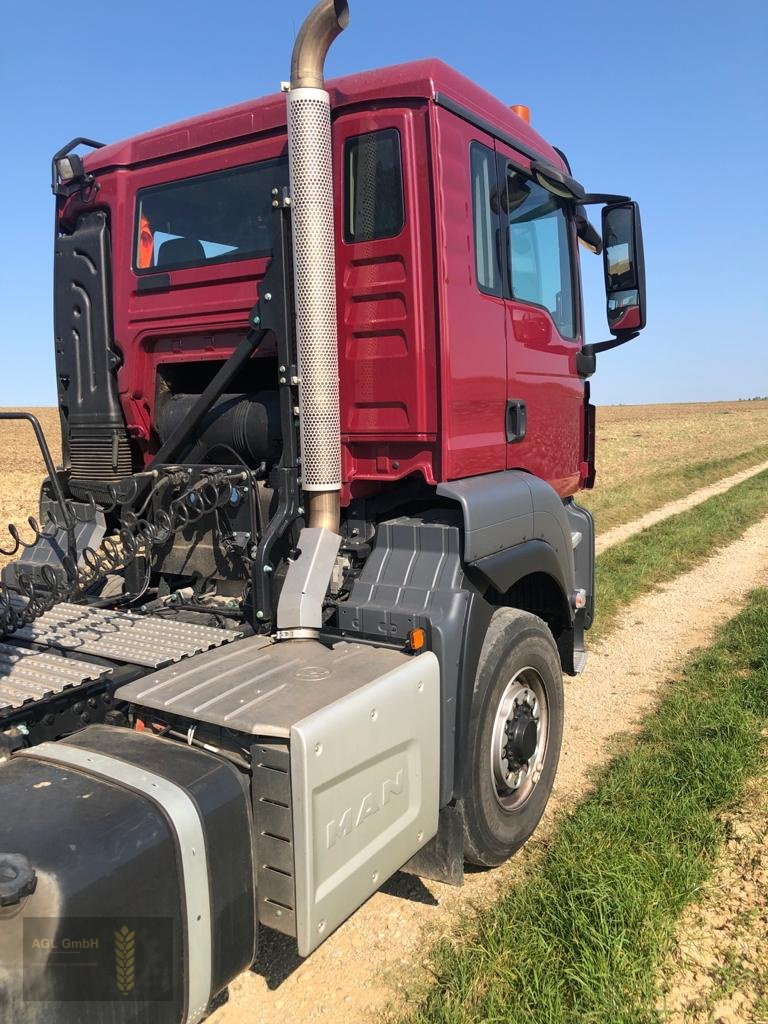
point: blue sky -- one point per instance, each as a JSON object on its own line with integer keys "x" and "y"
{"x": 665, "y": 101}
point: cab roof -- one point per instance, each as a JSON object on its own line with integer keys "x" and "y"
{"x": 429, "y": 79}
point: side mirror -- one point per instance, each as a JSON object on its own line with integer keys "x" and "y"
{"x": 624, "y": 266}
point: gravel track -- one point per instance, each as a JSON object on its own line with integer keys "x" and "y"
{"x": 370, "y": 959}
{"x": 626, "y": 530}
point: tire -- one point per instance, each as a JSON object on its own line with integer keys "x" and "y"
{"x": 517, "y": 702}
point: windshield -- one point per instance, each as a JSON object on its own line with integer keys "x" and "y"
{"x": 213, "y": 218}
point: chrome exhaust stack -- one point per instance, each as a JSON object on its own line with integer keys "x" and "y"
{"x": 311, "y": 169}
{"x": 314, "y": 258}
{"x": 322, "y": 26}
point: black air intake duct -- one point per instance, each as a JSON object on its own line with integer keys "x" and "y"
{"x": 94, "y": 436}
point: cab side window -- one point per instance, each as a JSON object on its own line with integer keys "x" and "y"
{"x": 539, "y": 247}
{"x": 210, "y": 218}
{"x": 485, "y": 219}
{"x": 373, "y": 171}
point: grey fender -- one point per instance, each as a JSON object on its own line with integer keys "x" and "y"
{"x": 505, "y": 568}
{"x": 514, "y": 524}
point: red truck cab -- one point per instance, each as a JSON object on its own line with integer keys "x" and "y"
{"x": 459, "y": 303}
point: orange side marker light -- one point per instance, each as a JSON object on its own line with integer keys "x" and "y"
{"x": 417, "y": 639}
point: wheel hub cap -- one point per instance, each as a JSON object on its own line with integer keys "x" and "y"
{"x": 519, "y": 738}
{"x": 523, "y": 735}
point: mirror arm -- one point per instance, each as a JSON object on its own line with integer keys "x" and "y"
{"x": 586, "y": 232}
{"x": 586, "y": 360}
{"x": 620, "y": 339}
{"x": 593, "y": 198}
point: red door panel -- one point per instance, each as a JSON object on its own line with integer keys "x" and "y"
{"x": 472, "y": 323}
{"x": 541, "y": 362}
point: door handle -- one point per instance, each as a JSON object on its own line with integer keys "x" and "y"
{"x": 517, "y": 421}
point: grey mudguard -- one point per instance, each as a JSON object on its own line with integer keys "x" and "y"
{"x": 512, "y": 510}
{"x": 504, "y": 568}
{"x": 497, "y": 510}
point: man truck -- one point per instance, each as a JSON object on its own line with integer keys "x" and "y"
{"x": 295, "y": 611}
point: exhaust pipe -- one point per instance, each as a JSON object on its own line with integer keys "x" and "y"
{"x": 322, "y": 26}
{"x": 300, "y": 607}
{"x": 314, "y": 257}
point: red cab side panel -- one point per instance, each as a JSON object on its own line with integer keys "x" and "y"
{"x": 202, "y": 314}
{"x": 387, "y": 345}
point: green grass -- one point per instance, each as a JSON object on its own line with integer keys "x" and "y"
{"x": 673, "y": 546}
{"x": 582, "y": 940}
{"x": 623, "y": 502}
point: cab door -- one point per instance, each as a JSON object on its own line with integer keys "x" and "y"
{"x": 545, "y": 395}
{"x": 473, "y": 358}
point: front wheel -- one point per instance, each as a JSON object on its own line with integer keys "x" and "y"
{"x": 515, "y": 732}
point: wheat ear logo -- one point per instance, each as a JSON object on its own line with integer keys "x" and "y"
{"x": 125, "y": 960}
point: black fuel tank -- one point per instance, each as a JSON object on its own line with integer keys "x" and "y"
{"x": 126, "y": 880}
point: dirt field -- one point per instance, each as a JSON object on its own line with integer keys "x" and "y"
{"x": 651, "y": 454}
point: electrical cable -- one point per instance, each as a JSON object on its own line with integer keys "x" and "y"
{"x": 20, "y": 605}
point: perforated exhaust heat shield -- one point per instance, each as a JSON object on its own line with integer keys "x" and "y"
{"x": 309, "y": 138}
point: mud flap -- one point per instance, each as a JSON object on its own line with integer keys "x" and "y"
{"x": 442, "y": 859}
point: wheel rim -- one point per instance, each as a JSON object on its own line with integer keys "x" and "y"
{"x": 519, "y": 741}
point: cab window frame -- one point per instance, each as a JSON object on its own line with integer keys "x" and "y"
{"x": 505, "y": 166}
